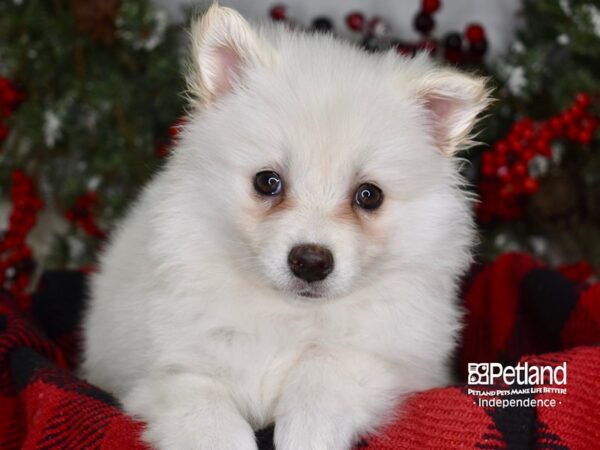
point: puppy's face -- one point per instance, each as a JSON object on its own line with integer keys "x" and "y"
{"x": 325, "y": 168}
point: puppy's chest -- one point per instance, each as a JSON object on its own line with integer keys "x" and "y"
{"x": 252, "y": 342}
{"x": 254, "y": 347}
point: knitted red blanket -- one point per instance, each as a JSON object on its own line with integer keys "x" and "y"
{"x": 516, "y": 310}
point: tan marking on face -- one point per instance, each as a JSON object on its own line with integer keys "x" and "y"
{"x": 346, "y": 212}
{"x": 279, "y": 204}
{"x": 368, "y": 222}
{"x": 262, "y": 207}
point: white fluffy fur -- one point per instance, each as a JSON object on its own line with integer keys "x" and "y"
{"x": 194, "y": 322}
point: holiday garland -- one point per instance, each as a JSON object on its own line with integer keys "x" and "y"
{"x": 507, "y": 167}
{"x": 375, "y": 34}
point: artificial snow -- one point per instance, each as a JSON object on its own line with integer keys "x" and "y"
{"x": 594, "y": 15}
{"x": 516, "y": 80}
{"x": 52, "y": 128}
{"x": 566, "y": 7}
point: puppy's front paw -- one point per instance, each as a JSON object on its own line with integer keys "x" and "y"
{"x": 312, "y": 432}
{"x": 181, "y": 433}
{"x": 188, "y": 412}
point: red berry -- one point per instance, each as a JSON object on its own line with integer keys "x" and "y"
{"x": 475, "y": 33}
{"x": 583, "y": 100}
{"x": 516, "y": 145}
{"x": 3, "y": 132}
{"x": 10, "y": 96}
{"x": 528, "y": 155}
{"x": 501, "y": 147}
{"x": 355, "y": 21}
{"x": 488, "y": 170}
{"x": 430, "y": 6}
{"x": 277, "y": 12}
{"x": 577, "y": 111}
{"x": 519, "y": 169}
{"x": 542, "y": 147}
{"x": 584, "y": 137}
{"x": 556, "y": 123}
{"x": 530, "y": 185}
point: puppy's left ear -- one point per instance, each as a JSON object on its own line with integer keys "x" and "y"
{"x": 224, "y": 46}
{"x": 453, "y": 101}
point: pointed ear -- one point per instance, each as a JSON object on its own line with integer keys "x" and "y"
{"x": 223, "y": 46}
{"x": 453, "y": 100}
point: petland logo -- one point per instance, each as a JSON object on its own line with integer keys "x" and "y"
{"x": 521, "y": 374}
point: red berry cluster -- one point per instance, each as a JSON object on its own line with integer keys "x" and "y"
{"x": 81, "y": 214}
{"x": 10, "y": 97}
{"x": 505, "y": 168}
{"x": 16, "y": 263}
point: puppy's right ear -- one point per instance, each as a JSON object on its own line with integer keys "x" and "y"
{"x": 224, "y": 45}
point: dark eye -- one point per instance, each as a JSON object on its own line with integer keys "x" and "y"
{"x": 268, "y": 183}
{"x": 368, "y": 196}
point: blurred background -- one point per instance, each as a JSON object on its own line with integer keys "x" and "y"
{"x": 91, "y": 96}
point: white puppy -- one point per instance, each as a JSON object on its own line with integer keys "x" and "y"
{"x": 297, "y": 260}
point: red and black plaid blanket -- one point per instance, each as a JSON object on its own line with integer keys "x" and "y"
{"x": 517, "y": 310}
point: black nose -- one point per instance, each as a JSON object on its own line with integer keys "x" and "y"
{"x": 311, "y": 262}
